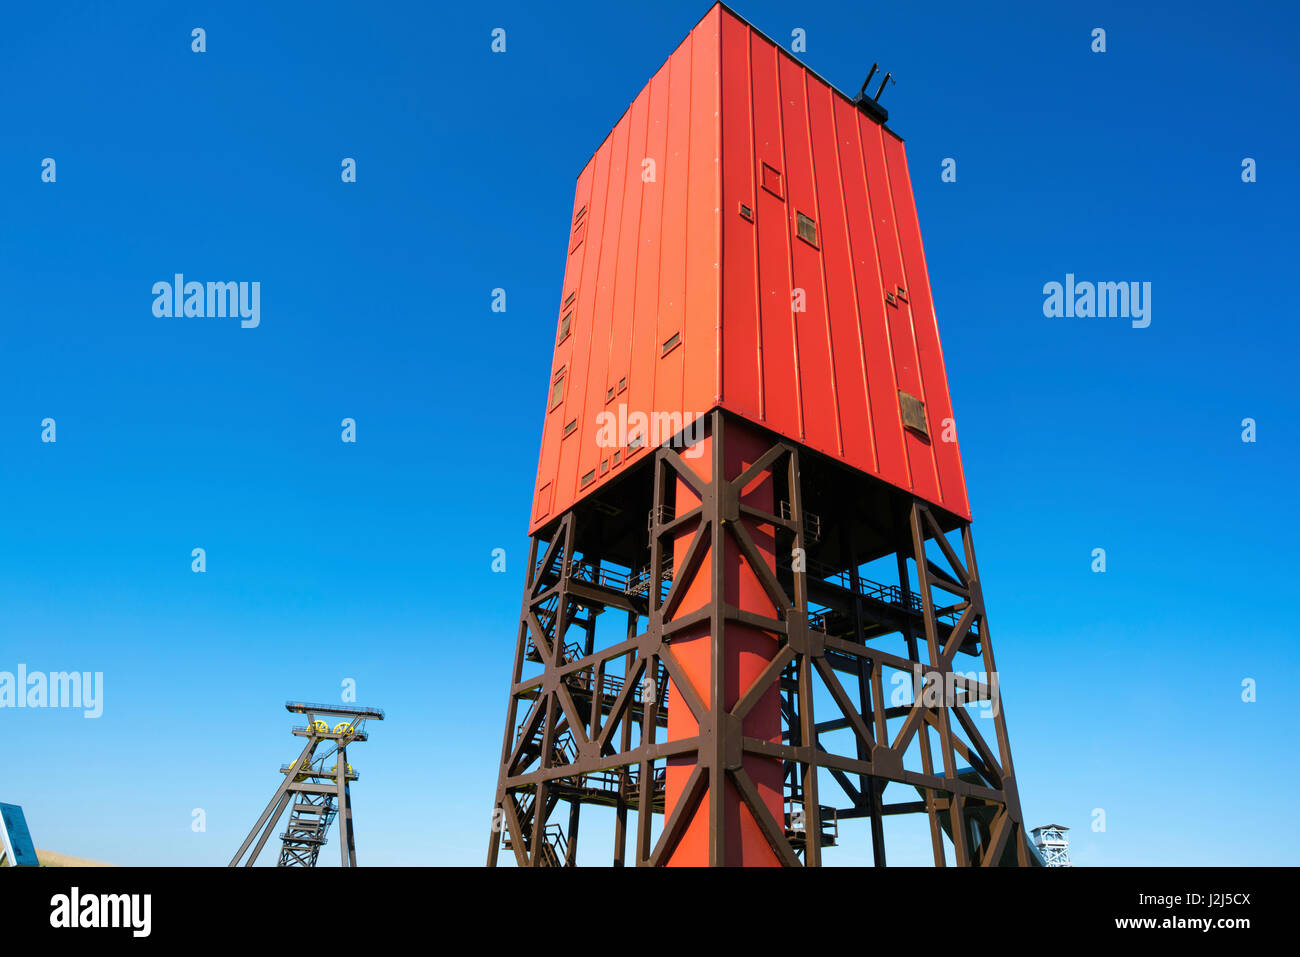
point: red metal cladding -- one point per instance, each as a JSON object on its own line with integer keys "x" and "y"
{"x": 638, "y": 323}
{"x": 747, "y": 238}
{"x": 826, "y": 309}
{"x": 747, "y": 652}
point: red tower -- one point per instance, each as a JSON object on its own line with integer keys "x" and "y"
{"x": 749, "y": 452}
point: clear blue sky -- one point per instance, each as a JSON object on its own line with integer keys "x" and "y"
{"x": 371, "y": 561}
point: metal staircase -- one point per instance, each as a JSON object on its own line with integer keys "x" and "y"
{"x": 307, "y": 830}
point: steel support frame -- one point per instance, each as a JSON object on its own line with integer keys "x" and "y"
{"x": 299, "y": 849}
{"x": 976, "y": 808}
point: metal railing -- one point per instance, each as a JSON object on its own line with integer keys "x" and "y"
{"x": 310, "y": 772}
{"x": 356, "y": 735}
{"x": 304, "y": 707}
{"x": 639, "y": 582}
{"x": 570, "y": 652}
{"x": 885, "y": 594}
{"x": 555, "y": 846}
{"x": 812, "y": 522}
{"x": 661, "y": 514}
{"x": 796, "y": 822}
{"x": 602, "y": 575}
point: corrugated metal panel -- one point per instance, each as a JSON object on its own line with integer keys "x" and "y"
{"x": 832, "y": 265}
{"x": 703, "y": 299}
{"x": 770, "y": 192}
{"x": 645, "y": 271}
{"x": 947, "y": 455}
{"x": 856, "y": 434}
{"x": 742, "y": 354}
{"x": 776, "y": 329}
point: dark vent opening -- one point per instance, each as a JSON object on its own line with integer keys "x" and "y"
{"x": 807, "y": 228}
{"x": 913, "y": 410}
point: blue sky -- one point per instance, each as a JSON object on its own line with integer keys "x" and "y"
{"x": 371, "y": 561}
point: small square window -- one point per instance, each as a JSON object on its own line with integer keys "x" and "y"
{"x": 569, "y": 299}
{"x": 618, "y": 457}
{"x": 578, "y": 215}
{"x": 807, "y": 228}
{"x": 746, "y": 212}
{"x": 557, "y": 391}
{"x": 913, "y": 410}
{"x": 671, "y": 343}
{"x": 589, "y": 478}
{"x": 635, "y": 443}
{"x": 622, "y": 385}
{"x": 609, "y": 394}
{"x": 570, "y": 428}
{"x": 604, "y": 466}
{"x": 565, "y": 325}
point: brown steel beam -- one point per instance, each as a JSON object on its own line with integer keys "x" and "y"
{"x": 973, "y": 811}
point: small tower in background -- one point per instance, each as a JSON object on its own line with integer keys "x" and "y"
{"x": 1051, "y": 840}
{"x": 314, "y": 794}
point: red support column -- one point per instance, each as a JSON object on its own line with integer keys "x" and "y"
{"x": 743, "y": 651}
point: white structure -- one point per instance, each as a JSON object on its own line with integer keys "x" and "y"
{"x": 1051, "y": 840}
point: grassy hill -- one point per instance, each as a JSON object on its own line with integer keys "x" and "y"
{"x": 53, "y": 859}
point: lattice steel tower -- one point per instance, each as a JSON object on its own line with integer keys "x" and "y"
{"x": 313, "y": 794}
{"x": 1054, "y": 844}
{"x": 749, "y": 468}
